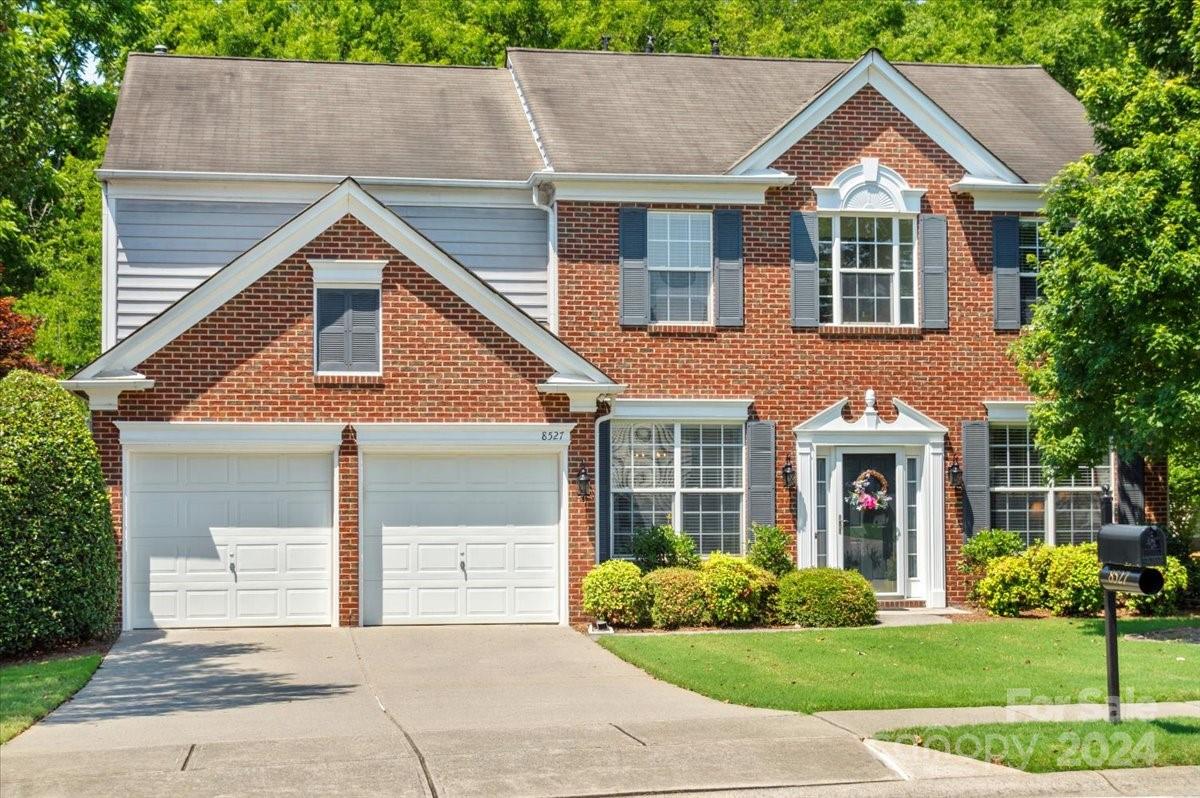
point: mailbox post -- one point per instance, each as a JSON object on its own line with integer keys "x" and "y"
{"x": 1128, "y": 555}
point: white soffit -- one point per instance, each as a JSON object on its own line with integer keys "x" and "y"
{"x": 347, "y": 199}
{"x": 1010, "y": 412}
{"x": 742, "y": 189}
{"x": 875, "y": 71}
{"x": 997, "y": 195}
{"x": 730, "y": 410}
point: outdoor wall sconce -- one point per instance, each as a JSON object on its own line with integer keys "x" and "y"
{"x": 583, "y": 480}
{"x": 956, "y": 478}
{"x": 788, "y": 472}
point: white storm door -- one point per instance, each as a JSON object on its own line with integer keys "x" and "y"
{"x": 227, "y": 539}
{"x": 460, "y": 538}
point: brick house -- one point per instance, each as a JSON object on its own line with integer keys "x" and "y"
{"x": 403, "y": 344}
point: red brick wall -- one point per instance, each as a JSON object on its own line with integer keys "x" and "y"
{"x": 792, "y": 374}
{"x": 251, "y": 360}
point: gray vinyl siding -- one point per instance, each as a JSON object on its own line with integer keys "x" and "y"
{"x": 165, "y": 248}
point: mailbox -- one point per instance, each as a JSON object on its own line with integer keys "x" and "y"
{"x": 1132, "y": 545}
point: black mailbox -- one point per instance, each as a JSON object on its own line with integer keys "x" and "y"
{"x": 1132, "y": 545}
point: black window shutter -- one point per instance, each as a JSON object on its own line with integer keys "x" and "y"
{"x": 804, "y": 270}
{"x": 634, "y": 276}
{"x": 728, "y": 266}
{"x": 935, "y": 293}
{"x": 1131, "y": 491}
{"x": 364, "y": 330}
{"x": 977, "y": 506}
{"x": 333, "y": 312}
{"x": 760, "y": 480}
{"x": 1006, "y": 272}
{"x": 603, "y": 491}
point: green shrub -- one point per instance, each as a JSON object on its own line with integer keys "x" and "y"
{"x": 771, "y": 550}
{"x": 614, "y": 591}
{"x": 1010, "y": 586}
{"x": 736, "y": 591}
{"x": 1072, "y": 584}
{"x": 676, "y": 598}
{"x": 663, "y": 547}
{"x": 825, "y": 597}
{"x": 58, "y": 563}
{"x": 1169, "y": 599}
{"x": 986, "y": 546}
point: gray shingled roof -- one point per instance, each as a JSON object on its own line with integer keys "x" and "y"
{"x": 595, "y": 112}
{"x": 292, "y": 117}
{"x": 680, "y": 114}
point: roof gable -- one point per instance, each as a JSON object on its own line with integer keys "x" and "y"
{"x": 347, "y": 198}
{"x": 875, "y": 71}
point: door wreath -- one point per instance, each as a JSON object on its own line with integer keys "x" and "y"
{"x": 869, "y": 492}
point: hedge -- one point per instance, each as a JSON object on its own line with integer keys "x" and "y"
{"x": 826, "y": 597}
{"x": 58, "y": 562}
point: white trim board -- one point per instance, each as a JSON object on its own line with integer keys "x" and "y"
{"x": 741, "y": 189}
{"x": 681, "y": 409}
{"x": 230, "y": 436}
{"x": 465, "y": 437}
{"x": 875, "y": 71}
{"x": 1008, "y": 412}
{"x": 348, "y": 198}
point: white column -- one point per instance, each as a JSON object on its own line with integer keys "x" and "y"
{"x": 806, "y": 491}
{"x": 936, "y": 503}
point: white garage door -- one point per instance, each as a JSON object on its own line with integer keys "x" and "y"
{"x": 230, "y": 539}
{"x": 460, "y": 539}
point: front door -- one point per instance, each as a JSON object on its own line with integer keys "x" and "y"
{"x": 869, "y": 497}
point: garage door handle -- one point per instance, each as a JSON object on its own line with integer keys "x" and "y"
{"x": 233, "y": 568}
{"x": 462, "y": 565}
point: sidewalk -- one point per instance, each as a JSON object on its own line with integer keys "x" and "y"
{"x": 866, "y": 722}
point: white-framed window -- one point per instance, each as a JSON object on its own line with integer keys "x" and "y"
{"x": 689, "y": 475}
{"x": 910, "y": 515}
{"x": 680, "y": 264}
{"x": 1024, "y": 500}
{"x": 822, "y": 512}
{"x": 867, "y": 269}
{"x": 1032, "y": 250}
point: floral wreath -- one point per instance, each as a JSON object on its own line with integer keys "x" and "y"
{"x": 862, "y": 498}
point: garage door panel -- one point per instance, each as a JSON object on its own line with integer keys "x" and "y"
{"x": 426, "y": 516}
{"x": 244, "y": 511}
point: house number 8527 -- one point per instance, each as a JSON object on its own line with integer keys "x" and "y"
{"x": 553, "y": 434}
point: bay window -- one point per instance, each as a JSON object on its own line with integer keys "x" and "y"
{"x": 685, "y": 475}
{"x": 867, "y": 269}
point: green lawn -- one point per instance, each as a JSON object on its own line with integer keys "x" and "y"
{"x": 1048, "y": 747}
{"x": 30, "y": 690}
{"x": 949, "y": 665}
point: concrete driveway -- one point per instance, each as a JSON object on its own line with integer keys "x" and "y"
{"x": 432, "y": 711}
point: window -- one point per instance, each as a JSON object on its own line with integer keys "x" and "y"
{"x": 822, "y": 512}
{"x": 679, "y": 260}
{"x": 910, "y": 514}
{"x": 348, "y": 330}
{"x": 1026, "y": 502}
{"x": 1032, "y": 250}
{"x": 687, "y": 475}
{"x": 866, "y": 270}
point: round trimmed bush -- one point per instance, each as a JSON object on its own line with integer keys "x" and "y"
{"x": 613, "y": 591}
{"x": 771, "y": 550}
{"x": 1009, "y": 586}
{"x": 987, "y": 545}
{"x": 663, "y": 547}
{"x": 736, "y": 591}
{"x": 58, "y": 562}
{"x": 1073, "y": 580}
{"x": 676, "y": 598}
{"x": 825, "y": 597}
{"x": 1170, "y": 598}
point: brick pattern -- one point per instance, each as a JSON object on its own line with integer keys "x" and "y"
{"x": 349, "y": 600}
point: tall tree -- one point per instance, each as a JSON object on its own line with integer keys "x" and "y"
{"x": 1114, "y": 350}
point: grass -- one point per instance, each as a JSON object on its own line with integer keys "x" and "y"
{"x": 1056, "y": 746}
{"x": 950, "y": 665}
{"x": 29, "y": 690}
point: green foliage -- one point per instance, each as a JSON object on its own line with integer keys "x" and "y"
{"x": 771, "y": 550}
{"x": 613, "y": 591}
{"x": 1009, "y": 586}
{"x": 1175, "y": 587}
{"x": 663, "y": 547}
{"x": 736, "y": 591}
{"x": 677, "y": 598}
{"x": 58, "y": 566}
{"x": 986, "y": 546}
{"x": 1073, "y": 580}
{"x": 825, "y": 597}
